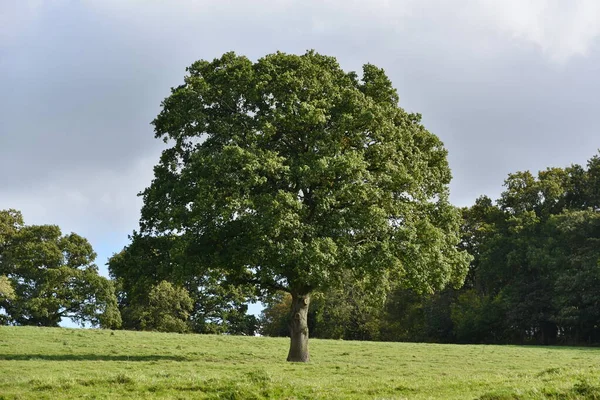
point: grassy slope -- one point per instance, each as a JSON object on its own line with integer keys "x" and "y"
{"x": 58, "y": 363}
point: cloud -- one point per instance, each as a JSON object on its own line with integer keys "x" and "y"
{"x": 560, "y": 29}
{"x": 91, "y": 202}
{"x": 98, "y": 203}
{"x": 20, "y": 17}
{"x": 15, "y": 16}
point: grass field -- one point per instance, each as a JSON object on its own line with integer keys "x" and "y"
{"x": 46, "y": 363}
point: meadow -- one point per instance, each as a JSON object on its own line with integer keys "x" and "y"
{"x": 60, "y": 363}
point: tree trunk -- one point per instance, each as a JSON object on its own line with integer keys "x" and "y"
{"x": 299, "y": 328}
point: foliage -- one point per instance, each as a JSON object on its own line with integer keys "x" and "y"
{"x": 533, "y": 277}
{"x": 576, "y": 252}
{"x": 53, "y": 276}
{"x": 275, "y": 317}
{"x": 290, "y": 171}
{"x": 418, "y": 317}
{"x": 6, "y": 290}
{"x": 291, "y": 174}
{"x": 39, "y": 364}
{"x": 351, "y": 312}
{"x": 7, "y": 293}
{"x": 218, "y": 307}
{"x": 167, "y": 310}
{"x": 478, "y": 319}
{"x": 536, "y": 260}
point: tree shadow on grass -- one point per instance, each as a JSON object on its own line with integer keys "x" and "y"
{"x": 88, "y": 357}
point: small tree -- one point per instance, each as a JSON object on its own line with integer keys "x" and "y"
{"x": 168, "y": 309}
{"x": 6, "y": 290}
{"x": 293, "y": 175}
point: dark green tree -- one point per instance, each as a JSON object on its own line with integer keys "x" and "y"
{"x": 575, "y": 253}
{"x": 418, "y": 317}
{"x": 289, "y": 173}
{"x": 351, "y": 311}
{"x": 218, "y": 307}
{"x": 275, "y": 316}
{"x": 532, "y": 273}
{"x": 53, "y": 276}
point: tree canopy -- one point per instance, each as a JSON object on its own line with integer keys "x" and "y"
{"x": 51, "y": 276}
{"x": 291, "y": 174}
{"x": 168, "y": 309}
{"x": 217, "y": 307}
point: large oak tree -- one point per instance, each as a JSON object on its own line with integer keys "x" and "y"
{"x": 291, "y": 174}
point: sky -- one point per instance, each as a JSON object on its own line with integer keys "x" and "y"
{"x": 507, "y": 85}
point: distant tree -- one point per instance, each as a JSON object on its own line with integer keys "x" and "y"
{"x": 289, "y": 174}
{"x": 351, "y": 312}
{"x": 218, "y": 307}
{"x": 6, "y": 290}
{"x": 479, "y": 228}
{"x": 10, "y": 221}
{"x": 575, "y": 251}
{"x": 535, "y": 260}
{"x": 239, "y": 322}
{"x": 167, "y": 310}
{"x": 418, "y": 317}
{"x": 53, "y": 276}
{"x": 479, "y": 318}
{"x": 534, "y": 270}
{"x": 275, "y": 317}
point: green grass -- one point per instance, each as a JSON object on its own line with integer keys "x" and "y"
{"x": 43, "y": 363}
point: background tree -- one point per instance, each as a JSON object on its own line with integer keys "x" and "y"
{"x": 291, "y": 174}
{"x": 53, "y": 276}
{"x": 352, "y": 311}
{"x": 10, "y": 221}
{"x": 218, "y": 306}
{"x": 410, "y": 316}
{"x": 168, "y": 309}
{"x": 7, "y": 293}
{"x": 575, "y": 249}
{"x": 6, "y": 290}
{"x": 534, "y": 270}
{"x": 275, "y": 316}
{"x": 535, "y": 262}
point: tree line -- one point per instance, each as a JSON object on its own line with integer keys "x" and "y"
{"x": 533, "y": 279}
{"x": 290, "y": 181}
